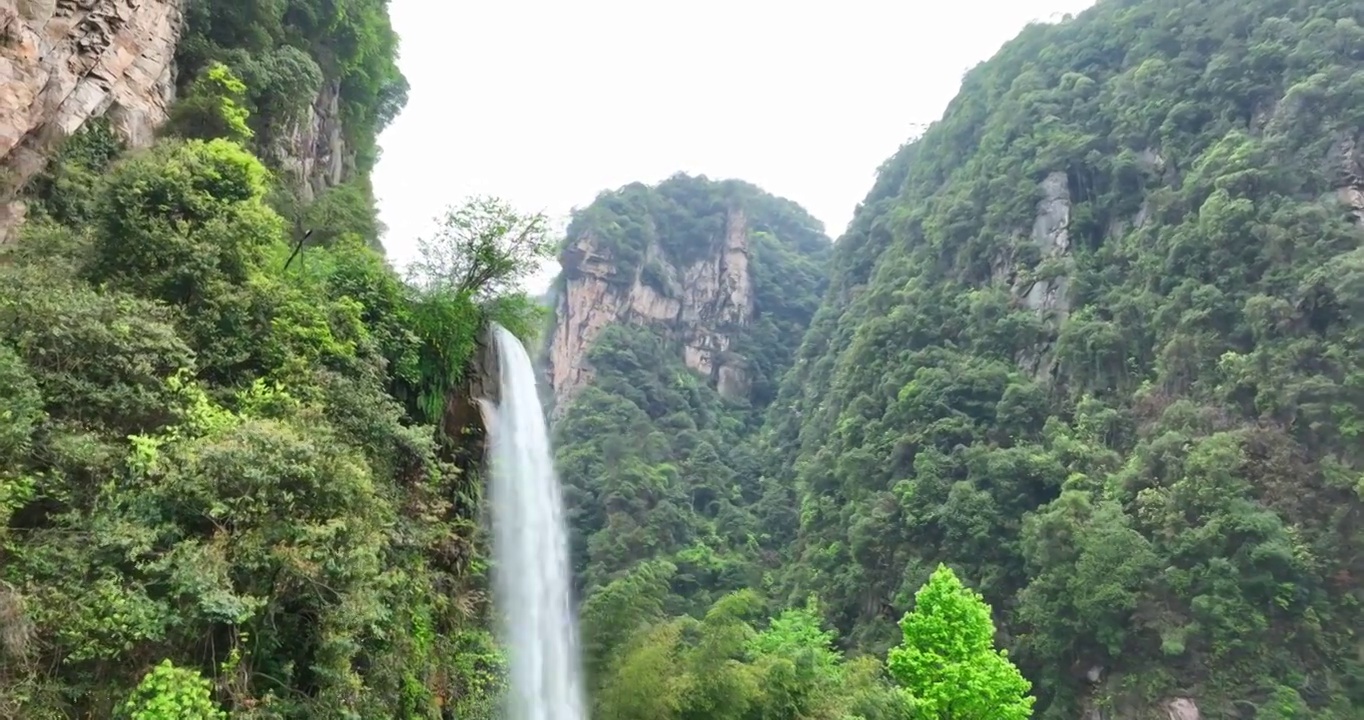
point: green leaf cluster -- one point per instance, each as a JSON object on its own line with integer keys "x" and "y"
{"x": 287, "y": 52}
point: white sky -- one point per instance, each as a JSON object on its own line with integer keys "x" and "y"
{"x": 547, "y": 103}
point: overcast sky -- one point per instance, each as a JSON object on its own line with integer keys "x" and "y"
{"x": 546, "y": 103}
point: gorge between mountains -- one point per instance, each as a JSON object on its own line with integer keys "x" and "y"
{"x": 1068, "y": 424}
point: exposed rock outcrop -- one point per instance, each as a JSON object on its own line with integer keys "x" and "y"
{"x": 1346, "y": 161}
{"x": 469, "y": 408}
{"x": 1179, "y": 708}
{"x": 702, "y": 304}
{"x": 1051, "y": 232}
{"x": 1183, "y": 709}
{"x": 63, "y": 62}
{"x": 313, "y": 152}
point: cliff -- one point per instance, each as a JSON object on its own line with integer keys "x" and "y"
{"x": 312, "y": 152}
{"x": 680, "y": 258}
{"x": 701, "y": 305}
{"x": 63, "y": 62}
{"x": 678, "y": 310}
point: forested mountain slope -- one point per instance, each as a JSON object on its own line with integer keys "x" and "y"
{"x": 722, "y": 269}
{"x": 1096, "y": 340}
{"x": 229, "y": 480}
{"x": 680, "y": 306}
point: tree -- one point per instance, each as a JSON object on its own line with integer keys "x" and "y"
{"x": 948, "y": 660}
{"x": 213, "y": 108}
{"x": 168, "y": 692}
{"x": 484, "y": 248}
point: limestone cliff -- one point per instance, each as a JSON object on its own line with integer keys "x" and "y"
{"x": 63, "y": 62}
{"x": 701, "y": 304}
{"x": 313, "y": 151}
{"x": 727, "y": 273}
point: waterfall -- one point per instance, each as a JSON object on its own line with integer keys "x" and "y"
{"x": 530, "y": 547}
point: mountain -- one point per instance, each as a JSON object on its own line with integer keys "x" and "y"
{"x": 679, "y": 307}
{"x": 1095, "y": 341}
{"x": 1067, "y": 424}
{"x": 239, "y": 456}
{"x": 722, "y": 269}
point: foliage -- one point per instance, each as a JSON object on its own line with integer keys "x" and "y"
{"x": 661, "y": 476}
{"x": 686, "y": 218}
{"x": 62, "y": 191}
{"x": 212, "y": 107}
{"x": 171, "y": 693}
{"x": 218, "y": 463}
{"x": 722, "y": 666}
{"x": 289, "y": 51}
{"x": 1087, "y": 341}
{"x": 1092, "y": 340}
{"x": 482, "y": 248}
{"x": 948, "y": 658}
{"x": 213, "y": 465}
{"x": 344, "y": 213}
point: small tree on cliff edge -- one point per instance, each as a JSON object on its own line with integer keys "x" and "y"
{"x": 483, "y": 248}
{"x": 948, "y": 660}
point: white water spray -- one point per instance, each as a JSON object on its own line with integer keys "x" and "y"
{"x": 530, "y": 546}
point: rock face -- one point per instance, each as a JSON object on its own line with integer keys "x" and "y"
{"x": 63, "y": 62}
{"x": 1183, "y": 709}
{"x": 1051, "y": 232}
{"x": 702, "y": 304}
{"x": 471, "y": 407}
{"x": 1346, "y": 160}
{"x": 313, "y": 152}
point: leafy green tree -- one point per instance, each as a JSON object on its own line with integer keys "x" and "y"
{"x": 213, "y": 107}
{"x": 948, "y": 661}
{"x": 483, "y": 248}
{"x": 168, "y": 692}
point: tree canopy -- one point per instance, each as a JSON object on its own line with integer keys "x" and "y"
{"x": 1092, "y": 340}
{"x": 225, "y": 490}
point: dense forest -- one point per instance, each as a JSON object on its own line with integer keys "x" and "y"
{"x": 225, "y": 483}
{"x": 1094, "y": 342}
{"x": 1068, "y": 424}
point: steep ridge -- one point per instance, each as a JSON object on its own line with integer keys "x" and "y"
{"x": 1095, "y": 341}
{"x": 679, "y": 308}
{"x": 678, "y": 257}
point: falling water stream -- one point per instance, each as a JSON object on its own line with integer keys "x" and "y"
{"x": 530, "y": 546}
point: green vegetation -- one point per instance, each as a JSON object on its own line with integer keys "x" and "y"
{"x": 287, "y": 51}
{"x": 1093, "y": 341}
{"x": 685, "y": 217}
{"x": 172, "y": 693}
{"x": 1155, "y": 479}
{"x": 1081, "y": 389}
{"x": 949, "y": 660}
{"x": 225, "y": 488}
